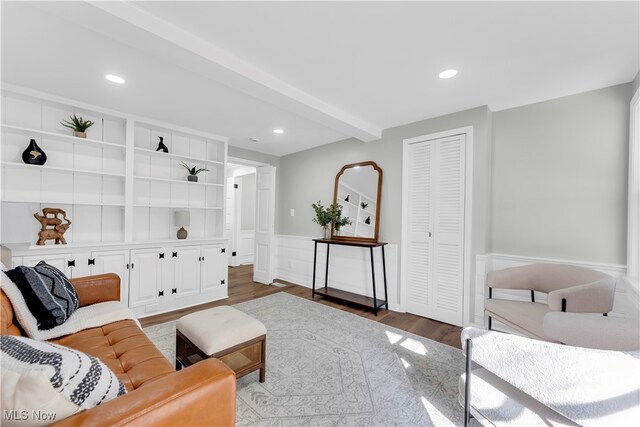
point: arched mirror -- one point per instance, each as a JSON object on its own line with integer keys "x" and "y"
{"x": 357, "y": 191}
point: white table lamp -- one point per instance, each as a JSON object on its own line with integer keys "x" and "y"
{"x": 182, "y": 219}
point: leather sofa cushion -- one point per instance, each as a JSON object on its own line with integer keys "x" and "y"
{"x": 125, "y": 349}
{"x": 527, "y": 317}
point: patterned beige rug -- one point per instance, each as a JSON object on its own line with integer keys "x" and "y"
{"x": 329, "y": 367}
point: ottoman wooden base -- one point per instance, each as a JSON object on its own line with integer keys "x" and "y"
{"x": 243, "y": 358}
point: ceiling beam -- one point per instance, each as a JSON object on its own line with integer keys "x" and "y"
{"x": 243, "y": 76}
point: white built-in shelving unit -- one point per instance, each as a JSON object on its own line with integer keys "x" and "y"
{"x": 121, "y": 195}
{"x": 355, "y": 212}
{"x": 114, "y": 185}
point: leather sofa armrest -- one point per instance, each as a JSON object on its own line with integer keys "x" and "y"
{"x": 596, "y": 297}
{"x": 203, "y": 394}
{"x": 99, "y": 288}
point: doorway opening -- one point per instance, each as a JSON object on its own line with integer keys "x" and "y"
{"x": 250, "y": 216}
{"x": 240, "y": 217}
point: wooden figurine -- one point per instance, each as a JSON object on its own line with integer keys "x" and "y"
{"x": 52, "y": 227}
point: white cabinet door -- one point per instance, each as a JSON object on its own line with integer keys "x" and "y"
{"x": 187, "y": 271}
{"x": 144, "y": 277}
{"x": 59, "y": 261}
{"x": 213, "y": 271}
{"x": 79, "y": 263}
{"x": 112, "y": 262}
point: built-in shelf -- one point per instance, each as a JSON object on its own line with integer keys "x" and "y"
{"x": 178, "y": 181}
{"x": 215, "y": 208}
{"x": 175, "y": 156}
{"x": 62, "y": 202}
{"x": 59, "y": 169}
{"x": 62, "y": 137}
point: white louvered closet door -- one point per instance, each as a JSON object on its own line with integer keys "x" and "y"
{"x": 435, "y": 228}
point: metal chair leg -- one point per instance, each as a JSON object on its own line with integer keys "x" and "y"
{"x": 467, "y": 383}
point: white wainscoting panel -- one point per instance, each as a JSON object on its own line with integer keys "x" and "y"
{"x": 246, "y": 247}
{"x": 349, "y": 269}
{"x": 623, "y": 305}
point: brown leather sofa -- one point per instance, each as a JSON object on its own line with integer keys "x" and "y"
{"x": 202, "y": 395}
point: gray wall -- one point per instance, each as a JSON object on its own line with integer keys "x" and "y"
{"x": 560, "y": 177}
{"x": 248, "y": 202}
{"x": 309, "y": 175}
{"x": 635, "y": 83}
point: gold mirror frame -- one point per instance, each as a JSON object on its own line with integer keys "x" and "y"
{"x": 373, "y": 239}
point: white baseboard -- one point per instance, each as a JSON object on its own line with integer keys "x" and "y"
{"x": 623, "y": 303}
{"x": 349, "y": 269}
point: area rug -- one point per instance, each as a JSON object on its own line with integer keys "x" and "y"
{"x": 329, "y": 367}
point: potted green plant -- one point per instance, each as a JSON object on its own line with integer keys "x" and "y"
{"x": 338, "y": 220}
{"x": 324, "y": 218}
{"x": 193, "y": 171}
{"x": 78, "y": 124}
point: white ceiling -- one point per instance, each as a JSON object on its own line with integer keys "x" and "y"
{"x": 323, "y": 71}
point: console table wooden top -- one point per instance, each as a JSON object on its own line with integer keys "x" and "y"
{"x": 350, "y": 243}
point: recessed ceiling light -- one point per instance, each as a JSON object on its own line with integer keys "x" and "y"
{"x": 447, "y": 74}
{"x": 278, "y": 131}
{"x": 115, "y": 79}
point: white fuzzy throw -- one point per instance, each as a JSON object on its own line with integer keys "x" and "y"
{"x": 91, "y": 316}
{"x": 590, "y": 387}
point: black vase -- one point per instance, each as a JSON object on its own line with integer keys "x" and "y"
{"x": 34, "y": 155}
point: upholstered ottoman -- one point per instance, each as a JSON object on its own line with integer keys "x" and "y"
{"x": 224, "y": 333}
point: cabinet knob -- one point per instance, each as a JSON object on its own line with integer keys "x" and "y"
{"x": 174, "y": 254}
{"x": 174, "y": 290}
{"x": 223, "y": 250}
{"x": 91, "y": 261}
{"x": 161, "y": 256}
{"x": 71, "y": 263}
{"x": 222, "y": 282}
{"x": 160, "y": 293}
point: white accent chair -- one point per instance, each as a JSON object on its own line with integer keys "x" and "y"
{"x": 569, "y": 289}
{"x": 528, "y": 382}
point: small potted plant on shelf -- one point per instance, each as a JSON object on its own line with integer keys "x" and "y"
{"x": 323, "y": 218}
{"x": 193, "y": 171}
{"x": 78, "y": 124}
{"x": 338, "y": 220}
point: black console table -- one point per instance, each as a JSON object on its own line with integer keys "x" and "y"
{"x": 345, "y": 296}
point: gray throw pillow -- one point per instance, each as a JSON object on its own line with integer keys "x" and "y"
{"x": 50, "y": 296}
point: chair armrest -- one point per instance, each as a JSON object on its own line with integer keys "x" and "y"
{"x": 203, "y": 394}
{"x": 584, "y": 330}
{"x": 596, "y": 297}
{"x": 95, "y": 289}
{"x": 510, "y": 278}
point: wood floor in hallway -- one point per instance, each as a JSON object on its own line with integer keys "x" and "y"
{"x": 243, "y": 288}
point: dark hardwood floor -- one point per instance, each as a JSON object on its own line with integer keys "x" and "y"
{"x": 243, "y": 288}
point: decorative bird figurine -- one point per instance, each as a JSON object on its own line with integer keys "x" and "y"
{"x": 368, "y": 220}
{"x": 161, "y": 146}
{"x": 346, "y": 199}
